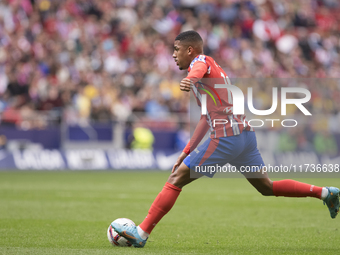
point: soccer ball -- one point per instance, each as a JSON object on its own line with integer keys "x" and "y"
{"x": 114, "y": 238}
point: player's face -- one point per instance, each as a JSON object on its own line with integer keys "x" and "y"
{"x": 181, "y": 55}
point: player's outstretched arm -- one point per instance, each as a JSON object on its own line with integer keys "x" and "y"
{"x": 200, "y": 131}
{"x": 196, "y": 73}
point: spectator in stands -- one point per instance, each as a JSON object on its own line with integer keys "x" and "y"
{"x": 325, "y": 144}
{"x": 95, "y": 58}
{"x": 287, "y": 141}
{"x": 141, "y": 138}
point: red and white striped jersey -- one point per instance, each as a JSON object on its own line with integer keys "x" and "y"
{"x": 221, "y": 121}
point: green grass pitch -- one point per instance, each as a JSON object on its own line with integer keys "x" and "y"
{"x": 69, "y": 212}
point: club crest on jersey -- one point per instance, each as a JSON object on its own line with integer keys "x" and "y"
{"x": 198, "y": 58}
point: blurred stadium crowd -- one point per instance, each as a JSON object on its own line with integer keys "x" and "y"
{"x": 100, "y": 60}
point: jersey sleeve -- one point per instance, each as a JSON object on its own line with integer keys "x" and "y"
{"x": 198, "y": 70}
{"x": 200, "y": 131}
{"x": 187, "y": 148}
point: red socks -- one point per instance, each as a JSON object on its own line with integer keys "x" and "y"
{"x": 167, "y": 198}
{"x": 160, "y": 206}
{"x": 291, "y": 188}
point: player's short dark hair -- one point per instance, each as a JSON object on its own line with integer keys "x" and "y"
{"x": 190, "y": 36}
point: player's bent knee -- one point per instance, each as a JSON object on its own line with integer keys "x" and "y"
{"x": 180, "y": 178}
{"x": 177, "y": 179}
{"x": 172, "y": 178}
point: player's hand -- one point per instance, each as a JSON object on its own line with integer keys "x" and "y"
{"x": 185, "y": 85}
{"x": 179, "y": 161}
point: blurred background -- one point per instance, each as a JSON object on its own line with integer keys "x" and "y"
{"x": 84, "y": 83}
